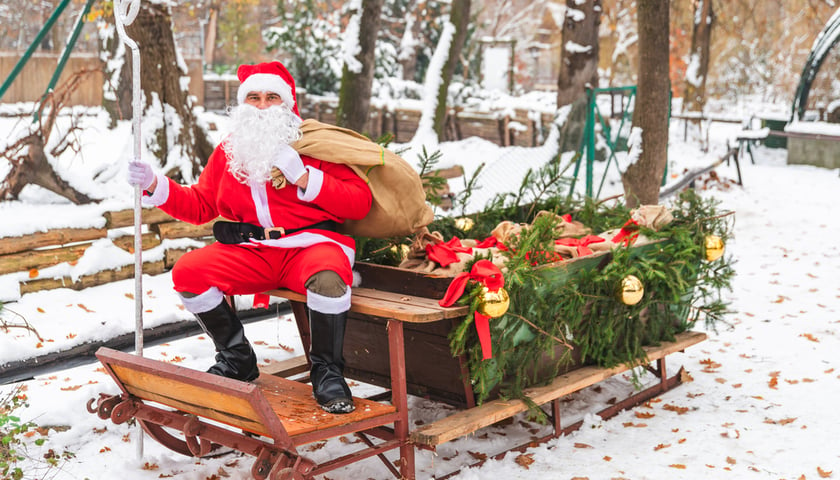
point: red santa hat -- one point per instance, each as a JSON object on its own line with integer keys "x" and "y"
{"x": 267, "y": 77}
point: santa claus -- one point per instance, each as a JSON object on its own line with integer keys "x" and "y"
{"x": 281, "y": 211}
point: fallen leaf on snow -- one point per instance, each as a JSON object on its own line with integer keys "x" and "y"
{"x": 823, "y": 473}
{"x": 478, "y": 455}
{"x": 525, "y": 460}
{"x": 582, "y": 445}
{"x": 661, "y": 446}
{"x": 810, "y": 337}
{"x": 730, "y": 461}
{"x": 677, "y": 465}
{"x": 674, "y": 408}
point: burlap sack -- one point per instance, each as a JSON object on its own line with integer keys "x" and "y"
{"x": 399, "y": 201}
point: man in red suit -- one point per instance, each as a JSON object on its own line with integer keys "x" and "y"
{"x": 284, "y": 208}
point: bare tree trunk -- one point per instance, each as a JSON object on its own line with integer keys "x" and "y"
{"x": 579, "y": 50}
{"x": 642, "y": 179}
{"x": 578, "y": 67}
{"x": 161, "y": 76}
{"x": 694, "y": 98}
{"x": 460, "y": 18}
{"x": 408, "y": 60}
{"x": 354, "y": 96}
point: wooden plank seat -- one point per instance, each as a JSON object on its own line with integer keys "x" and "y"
{"x": 269, "y": 417}
{"x": 381, "y": 303}
{"x": 468, "y": 421}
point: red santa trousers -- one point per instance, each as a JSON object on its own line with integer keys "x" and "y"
{"x": 255, "y": 268}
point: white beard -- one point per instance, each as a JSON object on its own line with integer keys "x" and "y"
{"x": 255, "y": 139}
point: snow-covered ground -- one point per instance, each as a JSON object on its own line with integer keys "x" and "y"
{"x": 762, "y": 403}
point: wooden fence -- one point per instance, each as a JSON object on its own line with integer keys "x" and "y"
{"x": 502, "y": 127}
{"x": 37, "y": 251}
{"x": 31, "y": 82}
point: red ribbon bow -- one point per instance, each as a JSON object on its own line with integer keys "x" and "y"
{"x": 628, "y": 233}
{"x": 487, "y": 274}
{"x": 582, "y": 243}
{"x": 445, "y": 253}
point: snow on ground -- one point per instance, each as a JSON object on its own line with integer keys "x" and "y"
{"x": 762, "y": 403}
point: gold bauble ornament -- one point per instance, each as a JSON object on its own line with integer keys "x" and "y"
{"x": 631, "y": 291}
{"x": 714, "y": 247}
{"x": 401, "y": 251}
{"x": 494, "y": 304}
{"x": 464, "y": 223}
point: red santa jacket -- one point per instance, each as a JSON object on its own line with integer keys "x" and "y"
{"x": 334, "y": 192}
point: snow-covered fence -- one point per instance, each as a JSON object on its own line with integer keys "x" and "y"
{"x": 36, "y": 252}
{"x": 505, "y": 127}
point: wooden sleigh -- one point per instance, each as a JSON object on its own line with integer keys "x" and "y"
{"x": 395, "y": 339}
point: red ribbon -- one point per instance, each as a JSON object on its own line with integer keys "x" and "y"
{"x": 261, "y": 300}
{"x": 628, "y": 233}
{"x": 582, "y": 244}
{"x": 487, "y": 274}
{"x": 445, "y": 253}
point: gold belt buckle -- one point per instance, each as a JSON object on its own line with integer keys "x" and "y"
{"x": 274, "y": 229}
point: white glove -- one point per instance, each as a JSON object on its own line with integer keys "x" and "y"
{"x": 289, "y": 162}
{"x": 140, "y": 173}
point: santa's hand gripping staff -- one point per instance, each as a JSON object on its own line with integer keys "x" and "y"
{"x": 280, "y": 234}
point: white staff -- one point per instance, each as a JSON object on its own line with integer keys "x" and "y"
{"x": 125, "y": 11}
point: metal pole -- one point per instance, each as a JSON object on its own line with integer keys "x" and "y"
{"x": 19, "y": 65}
{"x": 125, "y": 11}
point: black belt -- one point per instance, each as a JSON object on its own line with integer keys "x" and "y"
{"x": 240, "y": 232}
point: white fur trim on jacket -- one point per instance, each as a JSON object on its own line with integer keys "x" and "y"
{"x": 210, "y": 299}
{"x": 266, "y": 82}
{"x": 328, "y": 305}
{"x": 313, "y": 186}
{"x": 161, "y": 194}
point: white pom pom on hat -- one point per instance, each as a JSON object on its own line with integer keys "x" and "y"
{"x": 267, "y": 77}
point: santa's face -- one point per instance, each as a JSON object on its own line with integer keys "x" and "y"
{"x": 263, "y": 100}
{"x": 257, "y": 130}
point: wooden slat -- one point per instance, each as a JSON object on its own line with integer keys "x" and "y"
{"x": 410, "y": 300}
{"x": 209, "y": 403}
{"x": 38, "y": 259}
{"x": 171, "y": 255}
{"x": 59, "y": 236}
{"x": 125, "y": 218}
{"x": 468, "y": 421}
{"x": 92, "y": 280}
{"x": 389, "y": 305}
{"x": 286, "y": 368}
{"x": 126, "y": 242}
{"x": 182, "y": 230}
{"x": 296, "y": 407}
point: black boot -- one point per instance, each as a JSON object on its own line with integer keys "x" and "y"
{"x": 327, "y": 357}
{"x": 234, "y": 358}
